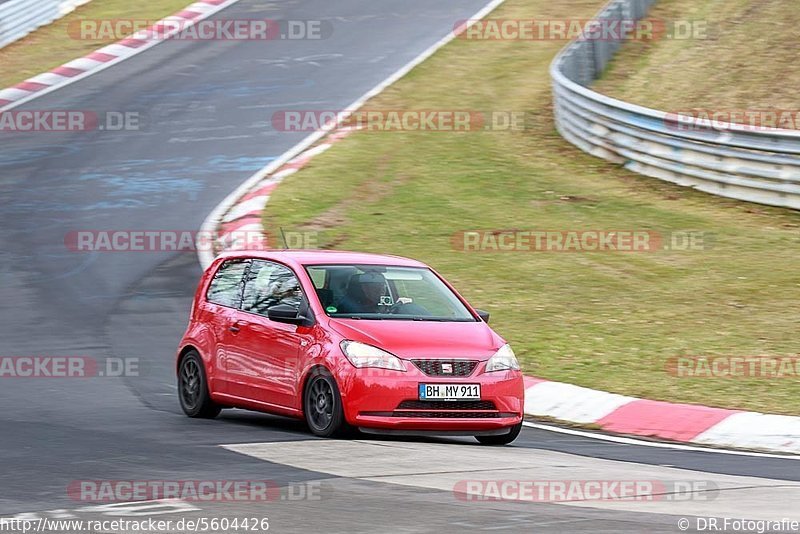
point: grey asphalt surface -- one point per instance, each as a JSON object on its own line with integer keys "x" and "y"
{"x": 205, "y": 112}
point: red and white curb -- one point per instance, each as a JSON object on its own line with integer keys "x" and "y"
{"x": 109, "y": 55}
{"x": 687, "y": 423}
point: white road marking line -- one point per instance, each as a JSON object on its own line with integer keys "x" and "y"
{"x": 655, "y": 444}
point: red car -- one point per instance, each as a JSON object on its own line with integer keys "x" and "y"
{"x": 347, "y": 341}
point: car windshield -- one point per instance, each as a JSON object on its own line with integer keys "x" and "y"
{"x": 379, "y": 292}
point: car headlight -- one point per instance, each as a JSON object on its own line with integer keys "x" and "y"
{"x": 362, "y": 355}
{"x": 503, "y": 360}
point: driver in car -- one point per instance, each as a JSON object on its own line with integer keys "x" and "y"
{"x": 364, "y": 292}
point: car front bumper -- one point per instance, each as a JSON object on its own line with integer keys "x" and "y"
{"x": 389, "y": 400}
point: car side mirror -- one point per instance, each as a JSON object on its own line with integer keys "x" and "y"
{"x": 483, "y": 314}
{"x": 285, "y": 313}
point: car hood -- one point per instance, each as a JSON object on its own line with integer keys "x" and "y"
{"x": 423, "y": 339}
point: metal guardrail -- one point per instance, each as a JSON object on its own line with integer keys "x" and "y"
{"x": 20, "y": 17}
{"x": 728, "y": 160}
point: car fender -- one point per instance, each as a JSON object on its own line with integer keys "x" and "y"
{"x": 199, "y": 336}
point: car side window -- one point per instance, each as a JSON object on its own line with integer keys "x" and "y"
{"x": 318, "y": 276}
{"x": 269, "y": 284}
{"x": 226, "y": 287}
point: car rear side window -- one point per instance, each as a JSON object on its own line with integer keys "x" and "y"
{"x": 226, "y": 287}
{"x": 269, "y": 284}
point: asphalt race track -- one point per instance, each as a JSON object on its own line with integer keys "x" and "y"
{"x": 205, "y": 112}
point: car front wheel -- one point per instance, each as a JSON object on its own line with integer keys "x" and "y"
{"x": 323, "y": 408}
{"x": 502, "y": 439}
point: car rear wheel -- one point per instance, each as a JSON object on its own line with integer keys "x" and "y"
{"x": 502, "y": 439}
{"x": 193, "y": 388}
{"x": 323, "y": 408}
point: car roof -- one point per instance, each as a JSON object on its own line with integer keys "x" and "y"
{"x": 298, "y": 257}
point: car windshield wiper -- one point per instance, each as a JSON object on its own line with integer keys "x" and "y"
{"x": 357, "y": 317}
{"x": 424, "y": 318}
{"x": 443, "y": 319}
{"x": 401, "y": 318}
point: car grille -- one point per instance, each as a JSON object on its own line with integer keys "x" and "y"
{"x": 434, "y": 367}
{"x": 443, "y": 409}
{"x": 449, "y": 415}
{"x": 446, "y": 405}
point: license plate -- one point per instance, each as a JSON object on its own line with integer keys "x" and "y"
{"x": 449, "y": 392}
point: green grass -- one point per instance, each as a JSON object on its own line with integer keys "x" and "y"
{"x": 748, "y": 60}
{"x": 603, "y": 320}
{"x": 53, "y": 45}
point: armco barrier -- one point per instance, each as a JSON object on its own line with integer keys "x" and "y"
{"x": 729, "y": 160}
{"x": 20, "y": 17}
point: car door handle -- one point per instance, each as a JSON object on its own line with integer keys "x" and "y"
{"x": 237, "y": 326}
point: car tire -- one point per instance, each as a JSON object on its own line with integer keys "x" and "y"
{"x": 323, "y": 409}
{"x": 502, "y": 439}
{"x": 193, "y": 388}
